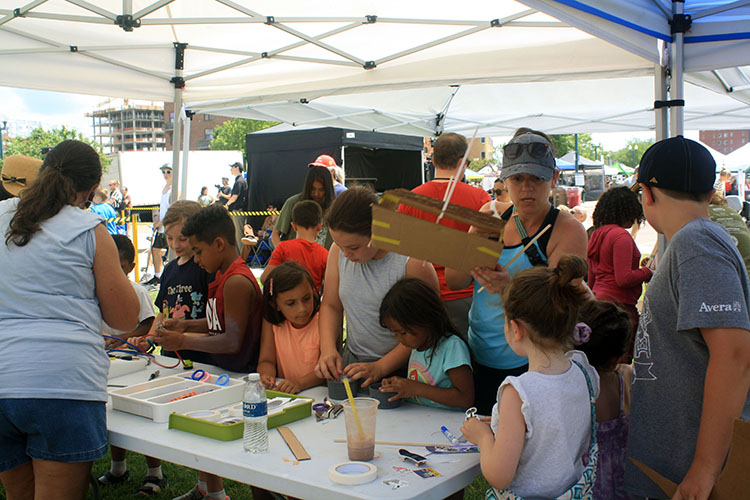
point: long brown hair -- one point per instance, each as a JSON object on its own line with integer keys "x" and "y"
{"x": 547, "y": 300}
{"x": 69, "y": 168}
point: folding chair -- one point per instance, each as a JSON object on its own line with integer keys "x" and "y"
{"x": 261, "y": 253}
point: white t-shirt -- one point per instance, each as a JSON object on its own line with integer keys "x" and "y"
{"x": 146, "y": 309}
{"x": 557, "y": 412}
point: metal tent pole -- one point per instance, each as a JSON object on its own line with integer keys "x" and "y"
{"x": 680, "y": 24}
{"x": 179, "y": 86}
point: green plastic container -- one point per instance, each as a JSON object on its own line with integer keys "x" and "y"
{"x": 230, "y": 432}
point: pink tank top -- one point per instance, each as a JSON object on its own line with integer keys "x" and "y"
{"x": 297, "y": 349}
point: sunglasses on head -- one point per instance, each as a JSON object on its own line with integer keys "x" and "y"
{"x": 535, "y": 149}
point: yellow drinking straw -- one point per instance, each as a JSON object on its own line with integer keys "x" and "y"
{"x": 354, "y": 408}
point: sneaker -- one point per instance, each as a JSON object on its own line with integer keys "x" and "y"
{"x": 151, "y": 486}
{"x": 146, "y": 277}
{"x": 155, "y": 280}
{"x": 194, "y": 494}
{"x": 249, "y": 241}
{"x": 109, "y": 478}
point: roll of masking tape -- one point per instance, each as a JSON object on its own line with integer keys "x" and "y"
{"x": 351, "y": 473}
{"x": 209, "y": 415}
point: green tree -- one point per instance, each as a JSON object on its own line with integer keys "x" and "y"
{"x": 586, "y": 146}
{"x": 478, "y": 164}
{"x": 41, "y": 138}
{"x": 631, "y": 154}
{"x": 230, "y": 135}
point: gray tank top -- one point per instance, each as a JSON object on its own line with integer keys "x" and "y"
{"x": 50, "y": 321}
{"x": 362, "y": 287}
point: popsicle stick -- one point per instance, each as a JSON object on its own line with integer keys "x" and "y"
{"x": 293, "y": 443}
{"x": 395, "y": 443}
{"x": 538, "y": 235}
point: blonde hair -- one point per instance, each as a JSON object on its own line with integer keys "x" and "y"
{"x": 180, "y": 211}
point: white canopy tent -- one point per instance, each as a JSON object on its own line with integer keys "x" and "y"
{"x": 411, "y": 67}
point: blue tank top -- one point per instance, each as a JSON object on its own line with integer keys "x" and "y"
{"x": 487, "y": 314}
{"x": 50, "y": 321}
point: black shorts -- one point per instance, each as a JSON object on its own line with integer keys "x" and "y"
{"x": 160, "y": 241}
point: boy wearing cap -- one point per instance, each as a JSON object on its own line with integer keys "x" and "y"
{"x": 692, "y": 349}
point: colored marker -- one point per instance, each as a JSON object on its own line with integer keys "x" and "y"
{"x": 448, "y": 434}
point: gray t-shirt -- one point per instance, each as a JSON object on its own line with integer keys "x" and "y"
{"x": 700, "y": 283}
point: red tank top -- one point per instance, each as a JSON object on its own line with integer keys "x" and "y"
{"x": 246, "y": 359}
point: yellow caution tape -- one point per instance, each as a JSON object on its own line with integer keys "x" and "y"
{"x": 254, "y": 213}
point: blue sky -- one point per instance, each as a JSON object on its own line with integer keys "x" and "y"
{"x": 51, "y": 109}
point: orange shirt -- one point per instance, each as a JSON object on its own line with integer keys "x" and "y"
{"x": 297, "y": 350}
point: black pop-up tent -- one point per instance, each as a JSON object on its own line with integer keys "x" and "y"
{"x": 278, "y": 161}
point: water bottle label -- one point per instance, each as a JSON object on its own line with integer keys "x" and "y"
{"x": 254, "y": 409}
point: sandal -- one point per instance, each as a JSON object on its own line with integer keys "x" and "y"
{"x": 152, "y": 485}
{"x": 109, "y": 478}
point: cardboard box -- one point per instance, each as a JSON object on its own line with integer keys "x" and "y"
{"x": 732, "y": 482}
{"x": 433, "y": 242}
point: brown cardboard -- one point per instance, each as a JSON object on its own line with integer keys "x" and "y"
{"x": 732, "y": 483}
{"x": 432, "y": 242}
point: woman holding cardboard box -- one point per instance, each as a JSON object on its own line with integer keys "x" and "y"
{"x": 530, "y": 173}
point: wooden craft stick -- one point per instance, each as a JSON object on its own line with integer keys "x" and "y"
{"x": 396, "y": 443}
{"x": 538, "y": 235}
{"x": 293, "y": 443}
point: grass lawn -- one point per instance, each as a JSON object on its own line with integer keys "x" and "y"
{"x": 181, "y": 479}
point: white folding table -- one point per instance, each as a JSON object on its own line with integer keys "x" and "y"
{"x": 279, "y": 471}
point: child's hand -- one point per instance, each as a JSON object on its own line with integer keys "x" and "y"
{"x": 170, "y": 340}
{"x": 140, "y": 342}
{"x": 474, "y": 430}
{"x": 114, "y": 343}
{"x": 268, "y": 380}
{"x": 288, "y": 386}
{"x": 176, "y": 325}
{"x": 329, "y": 366}
{"x": 367, "y": 372}
{"x": 404, "y": 387}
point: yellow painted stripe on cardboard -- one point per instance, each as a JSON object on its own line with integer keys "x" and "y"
{"x": 389, "y": 197}
{"x": 381, "y": 223}
{"x": 385, "y": 240}
{"x": 489, "y": 251}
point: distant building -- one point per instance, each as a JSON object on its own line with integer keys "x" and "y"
{"x": 481, "y": 149}
{"x": 202, "y": 128}
{"x": 128, "y": 125}
{"x": 725, "y": 141}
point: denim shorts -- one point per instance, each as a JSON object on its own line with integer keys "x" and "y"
{"x": 60, "y": 430}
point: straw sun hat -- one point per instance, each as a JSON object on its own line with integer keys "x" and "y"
{"x": 19, "y": 172}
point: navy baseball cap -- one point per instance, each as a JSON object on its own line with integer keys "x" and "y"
{"x": 678, "y": 164}
{"x": 528, "y": 154}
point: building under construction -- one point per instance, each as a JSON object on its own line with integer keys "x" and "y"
{"x": 122, "y": 125}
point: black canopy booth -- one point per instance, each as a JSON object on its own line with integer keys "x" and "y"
{"x": 277, "y": 162}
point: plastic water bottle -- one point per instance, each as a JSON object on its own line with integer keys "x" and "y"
{"x": 255, "y": 413}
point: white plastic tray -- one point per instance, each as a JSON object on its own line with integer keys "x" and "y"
{"x": 156, "y": 399}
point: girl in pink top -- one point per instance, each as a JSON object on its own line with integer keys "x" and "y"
{"x": 290, "y": 342}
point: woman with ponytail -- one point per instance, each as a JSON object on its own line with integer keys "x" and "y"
{"x": 544, "y": 421}
{"x": 61, "y": 278}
